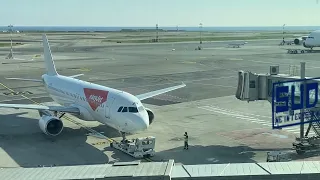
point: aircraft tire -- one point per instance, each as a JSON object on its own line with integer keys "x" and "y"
{"x": 300, "y": 152}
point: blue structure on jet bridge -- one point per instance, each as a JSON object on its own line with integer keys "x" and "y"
{"x": 288, "y": 108}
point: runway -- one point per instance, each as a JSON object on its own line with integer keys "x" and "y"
{"x": 221, "y": 128}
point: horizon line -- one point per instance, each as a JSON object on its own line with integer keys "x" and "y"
{"x": 150, "y": 26}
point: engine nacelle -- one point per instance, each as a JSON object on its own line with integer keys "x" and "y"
{"x": 50, "y": 125}
{"x": 151, "y": 115}
{"x": 298, "y": 41}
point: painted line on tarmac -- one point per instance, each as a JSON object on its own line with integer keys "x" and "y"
{"x": 16, "y": 93}
{"x": 20, "y": 99}
{"x": 190, "y": 81}
{"x": 217, "y": 85}
{"x": 248, "y": 117}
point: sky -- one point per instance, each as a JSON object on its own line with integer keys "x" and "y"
{"x": 167, "y": 13}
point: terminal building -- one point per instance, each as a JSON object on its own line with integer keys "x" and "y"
{"x": 307, "y": 170}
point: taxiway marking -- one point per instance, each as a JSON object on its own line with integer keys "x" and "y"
{"x": 254, "y": 118}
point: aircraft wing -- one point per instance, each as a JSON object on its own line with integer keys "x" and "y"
{"x": 158, "y": 92}
{"x": 41, "y": 107}
{"x": 39, "y": 80}
{"x": 22, "y": 79}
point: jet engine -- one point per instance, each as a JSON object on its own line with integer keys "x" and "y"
{"x": 151, "y": 115}
{"x": 298, "y": 41}
{"x": 50, "y": 125}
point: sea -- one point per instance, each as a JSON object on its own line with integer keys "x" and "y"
{"x": 108, "y": 29}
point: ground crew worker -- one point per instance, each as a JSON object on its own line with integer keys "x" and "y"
{"x": 186, "y": 146}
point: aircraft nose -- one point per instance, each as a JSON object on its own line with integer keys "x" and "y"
{"x": 140, "y": 122}
{"x": 143, "y": 122}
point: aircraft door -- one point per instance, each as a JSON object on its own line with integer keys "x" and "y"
{"x": 108, "y": 107}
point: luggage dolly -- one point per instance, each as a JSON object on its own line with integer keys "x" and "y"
{"x": 142, "y": 147}
{"x": 307, "y": 144}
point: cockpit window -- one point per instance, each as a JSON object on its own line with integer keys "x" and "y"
{"x": 120, "y": 108}
{"x": 133, "y": 109}
{"x": 140, "y": 108}
{"x": 125, "y": 109}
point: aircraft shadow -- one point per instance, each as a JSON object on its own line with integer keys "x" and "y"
{"x": 119, "y": 156}
{"x": 107, "y": 131}
{"x": 213, "y": 154}
{"x": 27, "y": 146}
{"x": 302, "y": 157}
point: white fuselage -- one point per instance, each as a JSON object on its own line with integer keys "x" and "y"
{"x": 98, "y": 103}
{"x": 313, "y": 40}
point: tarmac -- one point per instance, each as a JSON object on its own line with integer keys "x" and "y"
{"x": 221, "y": 128}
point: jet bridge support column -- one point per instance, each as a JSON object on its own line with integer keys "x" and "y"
{"x": 253, "y": 87}
{"x": 303, "y": 76}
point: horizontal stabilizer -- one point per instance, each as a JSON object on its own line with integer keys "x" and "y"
{"x": 41, "y": 107}
{"x": 158, "y": 92}
{"x": 22, "y": 79}
{"x": 77, "y": 75}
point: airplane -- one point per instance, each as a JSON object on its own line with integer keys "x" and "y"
{"x": 237, "y": 45}
{"x": 300, "y": 40}
{"x": 308, "y": 41}
{"x": 88, "y": 101}
{"x": 313, "y": 40}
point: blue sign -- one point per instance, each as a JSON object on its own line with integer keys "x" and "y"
{"x": 284, "y": 99}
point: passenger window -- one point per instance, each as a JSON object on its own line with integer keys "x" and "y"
{"x": 133, "y": 109}
{"x": 125, "y": 109}
{"x": 120, "y": 108}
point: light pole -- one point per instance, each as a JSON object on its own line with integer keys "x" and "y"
{"x": 10, "y": 56}
{"x": 200, "y": 27}
{"x": 283, "y": 33}
{"x": 10, "y": 29}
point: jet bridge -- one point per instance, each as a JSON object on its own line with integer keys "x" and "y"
{"x": 255, "y": 87}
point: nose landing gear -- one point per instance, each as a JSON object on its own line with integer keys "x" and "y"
{"x": 123, "y": 134}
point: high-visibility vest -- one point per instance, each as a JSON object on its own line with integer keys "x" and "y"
{"x": 186, "y": 138}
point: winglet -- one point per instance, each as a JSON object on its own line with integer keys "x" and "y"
{"x": 51, "y": 69}
{"x": 22, "y": 79}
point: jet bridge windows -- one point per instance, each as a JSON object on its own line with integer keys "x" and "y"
{"x": 252, "y": 84}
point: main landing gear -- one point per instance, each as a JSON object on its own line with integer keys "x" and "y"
{"x": 56, "y": 114}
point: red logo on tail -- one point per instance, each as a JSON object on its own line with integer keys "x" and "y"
{"x": 95, "y": 97}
